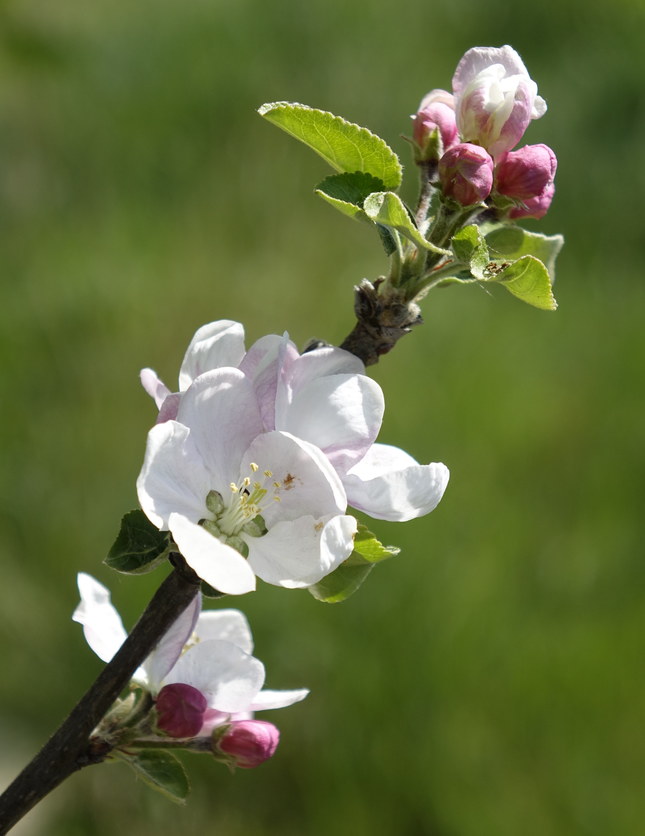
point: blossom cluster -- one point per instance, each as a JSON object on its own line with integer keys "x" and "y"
{"x": 254, "y": 461}
{"x": 204, "y": 682}
{"x": 471, "y": 133}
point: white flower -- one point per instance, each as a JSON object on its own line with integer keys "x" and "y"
{"x": 209, "y": 651}
{"x": 322, "y": 397}
{"x": 222, "y": 485}
{"x": 495, "y": 98}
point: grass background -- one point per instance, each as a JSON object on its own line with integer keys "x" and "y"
{"x": 490, "y": 681}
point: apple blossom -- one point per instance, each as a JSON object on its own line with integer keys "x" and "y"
{"x": 525, "y": 173}
{"x": 324, "y": 398}
{"x": 201, "y": 673}
{"x": 495, "y": 98}
{"x": 466, "y": 174}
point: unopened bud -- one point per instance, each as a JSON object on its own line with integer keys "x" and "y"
{"x": 249, "y": 742}
{"x": 180, "y": 710}
{"x": 525, "y": 173}
{"x": 435, "y": 126}
{"x": 534, "y": 207}
{"x": 466, "y": 173}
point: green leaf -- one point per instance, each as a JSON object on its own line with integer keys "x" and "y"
{"x": 346, "y": 192}
{"x": 528, "y": 279}
{"x": 512, "y": 242}
{"x": 162, "y": 771}
{"x": 388, "y": 209}
{"x": 469, "y": 247}
{"x": 344, "y": 145}
{"x": 139, "y": 546}
{"x": 371, "y": 549}
{"x": 348, "y": 577}
{"x": 343, "y": 581}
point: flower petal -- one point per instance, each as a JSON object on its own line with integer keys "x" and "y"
{"x": 171, "y": 644}
{"x": 302, "y": 481}
{"x": 173, "y": 477}
{"x": 390, "y": 485}
{"x": 299, "y": 553}
{"x": 102, "y": 625}
{"x": 480, "y": 58}
{"x": 216, "y": 563}
{"x": 229, "y": 678}
{"x": 266, "y": 362}
{"x": 277, "y": 699}
{"x": 340, "y": 413}
{"x": 225, "y": 625}
{"x": 222, "y": 412}
{"x": 214, "y": 345}
{"x": 155, "y": 387}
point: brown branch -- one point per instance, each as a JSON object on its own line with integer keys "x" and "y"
{"x": 70, "y": 749}
{"x": 381, "y": 322}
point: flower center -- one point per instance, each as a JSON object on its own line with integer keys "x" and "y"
{"x": 241, "y": 511}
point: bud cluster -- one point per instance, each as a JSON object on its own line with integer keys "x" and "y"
{"x": 469, "y": 135}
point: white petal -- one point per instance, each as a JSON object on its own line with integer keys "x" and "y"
{"x": 102, "y": 625}
{"x": 340, "y": 413}
{"x": 302, "y": 482}
{"x": 277, "y": 699}
{"x": 265, "y": 364}
{"x": 300, "y": 553}
{"x": 173, "y": 477}
{"x": 229, "y": 678}
{"x": 213, "y": 346}
{"x": 321, "y": 362}
{"x": 156, "y": 388}
{"x": 481, "y": 58}
{"x": 216, "y": 563}
{"x": 222, "y": 412}
{"x": 171, "y": 644}
{"x": 390, "y": 485}
{"x": 225, "y": 625}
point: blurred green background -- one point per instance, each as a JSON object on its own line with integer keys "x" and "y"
{"x": 491, "y": 680}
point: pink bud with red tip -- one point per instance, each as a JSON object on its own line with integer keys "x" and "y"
{"x": 466, "y": 173}
{"x": 249, "y": 742}
{"x": 180, "y": 710}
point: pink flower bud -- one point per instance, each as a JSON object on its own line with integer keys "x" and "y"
{"x": 525, "y": 173}
{"x": 180, "y": 710}
{"x": 495, "y": 98}
{"x": 249, "y": 742}
{"x": 466, "y": 173}
{"x": 534, "y": 207}
{"x": 436, "y": 114}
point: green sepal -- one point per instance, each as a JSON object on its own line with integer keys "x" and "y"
{"x": 388, "y": 209}
{"x": 345, "y": 146}
{"x": 348, "y": 577}
{"x": 528, "y": 279}
{"x": 346, "y": 192}
{"x": 162, "y": 771}
{"x": 469, "y": 247}
{"x": 371, "y": 549}
{"x": 512, "y": 242}
{"x": 139, "y": 547}
{"x": 343, "y": 581}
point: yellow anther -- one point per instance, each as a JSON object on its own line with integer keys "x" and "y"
{"x": 246, "y": 481}
{"x": 233, "y": 487}
{"x": 276, "y": 484}
{"x": 268, "y": 474}
{"x": 254, "y": 467}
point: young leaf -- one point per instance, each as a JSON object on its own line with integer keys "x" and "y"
{"x": 469, "y": 247}
{"x": 162, "y": 771}
{"x": 343, "y": 581}
{"x": 346, "y": 192}
{"x": 388, "y": 209}
{"x": 528, "y": 279}
{"x": 512, "y": 242}
{"x": 344, "y": 145}
{"x": 371, "y": 549}
{"x": 139, "y": 546}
